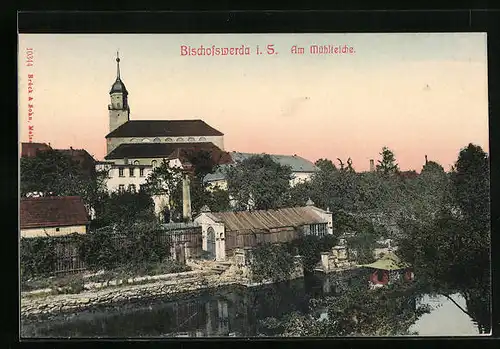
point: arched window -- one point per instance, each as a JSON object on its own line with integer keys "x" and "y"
{"x": 191, "y": 139}
{"x": 180, "y": 139}
{"x": 136, "y": 162}
{"x": 157, "y": 140}
{"x": 153, "y": 163}
{"x": 169, "y": 139}
{"x": 145, "y": 140}
{"x": 202, "y": 139}
{"x": 211, "y": 241}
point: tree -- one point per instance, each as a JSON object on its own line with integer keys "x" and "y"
{"x": 354, "y": 312}
{"x": 166, "y": 180}
{"x": 124, "y": 209}
{"x": 471, "y": 187}
{"x": 325, "y": 165}
{"x": 259, "y": 183}
{"x": 310, "y": 248}
{"x": 451, "y": 251}
{"x": 217, "y": 199}
{"x": 52, "y": 172}
{"x": 387, "y": 165}
{"x": 271, "y": 262}
{"x": 203, "y": 163}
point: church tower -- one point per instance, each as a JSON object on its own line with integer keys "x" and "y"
{"x": 119, "y": 111}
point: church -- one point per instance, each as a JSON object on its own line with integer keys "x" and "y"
{"x": 135, "y": 147}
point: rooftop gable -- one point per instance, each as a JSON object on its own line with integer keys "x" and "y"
{"x": 52, "y": 211}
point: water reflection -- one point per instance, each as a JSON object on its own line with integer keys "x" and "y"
{"x": 232, "y": 311}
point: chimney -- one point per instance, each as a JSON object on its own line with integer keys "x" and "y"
{"x": 186, "y": 198}
{"x": 372, "y": 165}
{"x": 426, "y": 159}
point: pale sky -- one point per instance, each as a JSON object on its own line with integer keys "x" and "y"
{"x": 418, "y": 94}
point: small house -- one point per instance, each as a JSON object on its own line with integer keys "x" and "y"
{"x": 53, "y": 216}
{"x": 388, "y": 270}
{"x": 223, "y": 232}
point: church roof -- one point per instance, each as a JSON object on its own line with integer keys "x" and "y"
{"x": 118, "y": 86}
{"x": 165, "y": 150}
{"x": 164, "y": 128}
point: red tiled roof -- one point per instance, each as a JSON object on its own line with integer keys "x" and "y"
{"x": 52, "y": 211}
{"x": 30, "y": 149}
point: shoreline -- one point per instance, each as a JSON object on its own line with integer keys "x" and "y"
{"x": 36, "y": 303}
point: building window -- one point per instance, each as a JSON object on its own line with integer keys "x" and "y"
{"x": 121, "y": 188}
{"x": 131, "y": 172}
{"x": 136, "y": 162}
{"x": 202, "y": 139}
{"x": 120, "y": 172}
{"x": 57, "y": 229}
{"x": 131, "y": 188}
{"x": 169, "y": 139}
{"x": 141, "y": 172}
{"x": 153, "y": 163}
{"x": 157, "y": 140}
{"x": 191, "y": 139}
{"x": 180, "y": 139}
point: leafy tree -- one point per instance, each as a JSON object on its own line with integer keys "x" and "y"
{"x": 450, "y": 252}
{"x": 217, "y": 199}
{"x": 471, "y": 187}
{"x": 387, "y": 165}
{"x": 300, "y": 193}
{"x": 354, "y": 312}
{"x": 125, "y": 208}
{"x": 271, "y": 262}
{"x": 259, "y": 183}
{"x": 310, "y": 248}
{"x": 166, "y": 180}
{"x": 52, "y": 172}
{"x": 325, "y": 165}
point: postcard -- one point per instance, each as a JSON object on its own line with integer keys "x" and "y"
{"x": 254, "y": 185}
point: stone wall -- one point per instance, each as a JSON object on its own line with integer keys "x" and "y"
{"x": 335, "y": 260}
{"x": 38, "y": 305}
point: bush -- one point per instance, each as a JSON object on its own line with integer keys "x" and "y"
{"x": 134, "y": 246}
{"x": 271, "y": 261}
{"x": 310, "y": 248}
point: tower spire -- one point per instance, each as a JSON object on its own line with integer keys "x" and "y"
{"x": 117, "y": 65}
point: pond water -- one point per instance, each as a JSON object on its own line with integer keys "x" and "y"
{"x": 230, "y": 311}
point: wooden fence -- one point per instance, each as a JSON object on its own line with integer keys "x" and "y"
{"x": 67, "y": 258}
